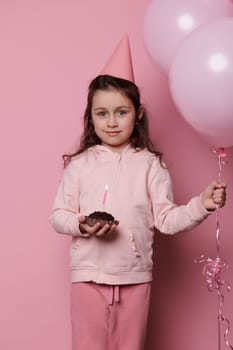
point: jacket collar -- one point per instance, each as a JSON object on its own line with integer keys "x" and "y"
{"x": 105, "y": 151}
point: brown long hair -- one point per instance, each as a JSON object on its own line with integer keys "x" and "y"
{"x": 140, "y": 136}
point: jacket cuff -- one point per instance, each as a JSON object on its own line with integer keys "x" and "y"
{"x": 199, "y": 212}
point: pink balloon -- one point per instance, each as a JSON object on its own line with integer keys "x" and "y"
{"x": 201, "y": 81}
{"x": 168, "y": 22}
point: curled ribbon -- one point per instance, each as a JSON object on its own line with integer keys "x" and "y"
{"x": 213, "y": 267}
{"x": 212, "y": 273}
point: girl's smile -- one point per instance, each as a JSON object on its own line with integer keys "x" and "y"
{"x": 113, "y": 133}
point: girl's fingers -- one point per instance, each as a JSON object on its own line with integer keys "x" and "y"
{"x": 91, "y": 229}
{"x": 103, "y": 230}
{"x": 107, "y": 229}
{"x": 82, "y": 219}
{"x": 219, "y": 196}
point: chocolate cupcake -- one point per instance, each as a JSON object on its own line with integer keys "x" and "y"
{"x": 102, "y": 217}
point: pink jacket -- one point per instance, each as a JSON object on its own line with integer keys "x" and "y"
{"x": 139, "y": 196}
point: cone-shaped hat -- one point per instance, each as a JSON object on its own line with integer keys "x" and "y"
{"x": 120, "y": 63}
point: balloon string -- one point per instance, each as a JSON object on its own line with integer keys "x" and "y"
{"x": 213, "y": 267}
{"x": 217, "y": 232}
{"x": 221, "y": 155}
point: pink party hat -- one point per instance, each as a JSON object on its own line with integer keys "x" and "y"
{"x": 120, "y": 63}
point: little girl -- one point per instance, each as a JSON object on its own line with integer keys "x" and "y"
{"x": 111, "y": 265}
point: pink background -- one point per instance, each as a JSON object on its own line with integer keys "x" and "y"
{"x": 50, "y": 50}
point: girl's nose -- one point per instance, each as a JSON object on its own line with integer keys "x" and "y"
{"x": 112, "y": 120}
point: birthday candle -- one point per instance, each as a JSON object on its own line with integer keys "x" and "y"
{"x": 105, "y": 195}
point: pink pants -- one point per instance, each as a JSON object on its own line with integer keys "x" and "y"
{"x": 109, "y": 317}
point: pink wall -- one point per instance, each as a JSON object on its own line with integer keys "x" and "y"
{"x": 50, "y": 50}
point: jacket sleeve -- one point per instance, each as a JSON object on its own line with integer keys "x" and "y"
{"x": 65, "y": 211}
{"x": 168, "y": 217}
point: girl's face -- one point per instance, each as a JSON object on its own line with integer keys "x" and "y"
{"x": 114, "y": 117}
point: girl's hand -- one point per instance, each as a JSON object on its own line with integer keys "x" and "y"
{"x": 214, "y": 196}
{"x": 105, "y": 230}
{"x": 96, "y": 229}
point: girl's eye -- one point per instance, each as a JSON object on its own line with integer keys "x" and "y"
{"x": 122, "y": 113}
{"x": 102, "y": 114}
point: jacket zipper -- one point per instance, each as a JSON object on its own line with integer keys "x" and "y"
{"x": 111, "y": 192}
{"x": 116, "y": 173}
